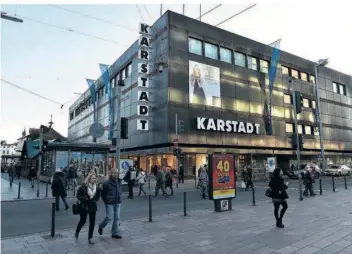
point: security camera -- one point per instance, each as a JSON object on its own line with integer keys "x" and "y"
{"x": 160, "y": 67}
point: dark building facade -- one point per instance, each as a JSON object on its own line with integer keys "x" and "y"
{"x": 216, "y": 82}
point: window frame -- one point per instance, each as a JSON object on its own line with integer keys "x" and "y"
{"x": 260, "y": 66}
{"x": 341, "y": 86}
{"x": 291, "y": 73}
{"x": 288, "y": 95}
{"x": 256, "y": 63}
{"x": 304, "y": 74}
{"x": 213, "y": 45}
{"x": 305, "y": 102}
{"x": 241, "y": 54}
{"x": 291, "y": 125}
{"x": 313, "y": 104}
{"x": 285, "y": 67}
{"x": 335, "y": 87}
{"x": 309, "y": 128}
{"x": 230, "y": 51}
{"x": 312, "y": 79}
{"x": 299, "y": 128}
{"x": 201, "y": 43}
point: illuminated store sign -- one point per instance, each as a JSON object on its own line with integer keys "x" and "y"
{"x": 210, "y": 124}
{"x": 143, "y": 77}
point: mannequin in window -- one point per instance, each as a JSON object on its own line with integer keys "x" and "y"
{"x": 197, "y": 82}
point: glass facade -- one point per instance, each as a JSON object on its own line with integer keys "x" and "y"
{"x": 225, "y": 55}
{"x": 195, "y": 46}
{"x": 211, "y": 51}
{"x": 240, "y": 59}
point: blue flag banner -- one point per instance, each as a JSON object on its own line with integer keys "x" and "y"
{"x": 272, "y": 74}
{"x": 32, "y": 147}
{"x": 106, "y": 77}
{"x": 92, "y": 94}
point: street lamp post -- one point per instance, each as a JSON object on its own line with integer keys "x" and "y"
{"x": 291, "y": 80}
{"x": 320, "y": 63}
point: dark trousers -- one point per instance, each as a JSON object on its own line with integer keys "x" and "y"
{"x": 83, "y": 218}
{"x": 249, "y": 183}
{"x": 181, "y": 178}
{"x": 172, "y": 189}
{"x": 308, "y": 188}
{"x": 159, "y": 186}
{"x": 57, "y": 201}
{"x": 282, "y": 212}
{"x": 32, "y": 181}
{"x": 130, "y": 190}
{"x": 11, "y": 179}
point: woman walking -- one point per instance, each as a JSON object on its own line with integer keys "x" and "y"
{"x": 88, "y": 194}
{"x": 279, "y": 195}
{"x": 141, "y": 181}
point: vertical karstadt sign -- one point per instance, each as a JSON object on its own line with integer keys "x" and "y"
{"x": 143, "y": 77}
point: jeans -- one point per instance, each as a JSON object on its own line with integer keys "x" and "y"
{"x": 83, "y": 218}
{"x": 204, "y": 191}
{"x": 159, "y": 186}
{"x": 141, "y": 189}
{"x": 57, "y": 201}
{"x": 112, "y": 214}
{"x": 130, "y": 190}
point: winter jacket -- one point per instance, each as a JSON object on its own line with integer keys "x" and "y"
{"x": 278, "y": 188}
{"x": 141, "y": 177}
{"x": 71, "y": 173}
{"x": 204, "y": 179}
{"x": 168, "y": 179}
{"x": 160, "y": 177}
{"x": 112, "y": 192}
{"x": 32, "y": 172}
{"x": 87, "y": 203}
{"x": 59, "y": 184}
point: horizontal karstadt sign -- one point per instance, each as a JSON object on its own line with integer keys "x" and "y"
{"x": 211, "y": 124}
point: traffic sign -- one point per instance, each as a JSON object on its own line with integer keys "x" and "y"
{"x": 96, "y": 130}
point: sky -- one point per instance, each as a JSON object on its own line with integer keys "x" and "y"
{"x": 52, "y": 61}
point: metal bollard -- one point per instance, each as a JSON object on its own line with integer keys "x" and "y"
{"x": 74, "y": 189}
{"x": 333, "y": 183}
{"x": 345, "y": 181}
{"x": 300, "y": 189}
{"x": 253, "y": 194}
{"x": 320, "y": 187}
{"x": 149, "y": 184}
{"x": 46, "y": 189}
{"x": 11, "y": 180}
{"x": 19, "y": 190}
{"x": 150, "y": 208}
{"x": 53, "y": 219}
{"x": 185, "y": 203}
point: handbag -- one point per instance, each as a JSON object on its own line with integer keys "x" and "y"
{"x": 268, "y": 193}
{"x": 76, "y": 208}
{"x": 243, "y": 185}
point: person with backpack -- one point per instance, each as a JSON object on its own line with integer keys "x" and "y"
{"x": 168, "y": 181}
{"x": 308, "y": 181}
{"x": 141, "y": 179}
{"x": 88, "y": 194}
{"x": 160, "y": 182}
{"x": 58, "y": 187}
{"x": 130, "y": 179}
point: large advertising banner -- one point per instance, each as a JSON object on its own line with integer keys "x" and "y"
{"x": 223, "y": 176}
{"x": 61, "y": 160}
{"x": 204, "y": 84}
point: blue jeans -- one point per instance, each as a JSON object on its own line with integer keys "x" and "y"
{"x": 112, "y": 214}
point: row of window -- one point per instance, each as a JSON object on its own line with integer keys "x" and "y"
{"x": 302, "y": 129}
{"x": 124, "y": 73}
{"x": 307, "y": 103}
{"x": 339, "y": 88}
{"x": 224, "y": 54}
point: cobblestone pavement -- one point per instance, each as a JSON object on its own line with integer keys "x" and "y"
{"x": 320, "y": 225}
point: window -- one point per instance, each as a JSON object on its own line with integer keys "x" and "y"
{"x": 300, "y": 128}
{"x": 308, "y": 130}
{"x": 335, "y": 87}
{"x": 284, "y": 70}
{"x": 305, "y": 103}
{"x": 211, "y": 51}
{"x": 240, "y": 59}
{"x": 289, "y": 127}
{"x": 287, "y": 99}
{"x": 123, "y": 74}
{"x": 342, "y": 90}
{"x": 113, "y": 82}
{"x": 128, "y": 70}
{"x": 225, "y": 55}
{"x": 252, "y": 63}
{"x": 312, "y": 79}
{"x": 195, "y": 46}
{"x": 316, "y": 131}
{"x": 304, "y": 76}
{"x": 313, "y": 104}
{"x": 294, "y": 73}
{"x": 264, "y": 66}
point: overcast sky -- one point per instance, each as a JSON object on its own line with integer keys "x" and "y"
{"x": 54, "y": 62}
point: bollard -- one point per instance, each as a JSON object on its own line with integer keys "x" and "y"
{"x": 320, "y": 187}
{"x": 11, "y": 180}
{"x": 149, "y": 183}
{"x": 185, "y": 204}
{"x": 46, "y": 189}
{"x": 300, "y": 189}
{"x": 345, "y": 182}
{"x": 150, "y": 208}
{"x": 19, "y": 190}
{"x": 74, "y": 189}
{"x": 253, "y": 194}
{"x": 53, "y": 220}
{"x": 333, "y": 183}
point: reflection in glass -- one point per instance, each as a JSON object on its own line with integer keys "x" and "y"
{"x": 225, "y": 55}
{"x": 195, "y": 46}
{"x": 242, "y": 106}
{"x": 211, "y": 51}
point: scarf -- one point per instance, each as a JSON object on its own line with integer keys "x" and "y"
{"x": 91, "y": 190}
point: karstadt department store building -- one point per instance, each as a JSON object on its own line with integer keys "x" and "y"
{"x": 217, "y": 84}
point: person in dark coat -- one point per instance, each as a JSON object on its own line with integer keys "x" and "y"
{"x": 11, "y": 172}
{"x": 168, "y": 181}
{"x": 58, "y": 187}
{"x": 308, "y": 181}
{"x": 130, "y": 179}
{"x": 279, "y": 196}
{"x": 88, "y": 194}
{"x": 181, "y": 174}
{"x": 32, "y": 175}
{"x": 249, "y": 182}
{"x": 71, "y": 176}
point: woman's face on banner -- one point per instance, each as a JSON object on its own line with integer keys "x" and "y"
{"x": 196, "y": 71}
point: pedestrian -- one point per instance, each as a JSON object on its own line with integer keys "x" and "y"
{"x": 278, "y": 195}
{"x": 308, "y": 181}
{"x": 160, "y": 182}
{"x": 88, "y": 194}
{"x": 32, "y": 175}
{"x": 181, "y": 174}
{"x": 168, "y": 181}
{"x": 204, "y": 181}
{"x": 249, "y": 182}
{"x": 18, "y": 171}
{"x": 130, "y": 179}
{"x": 58, "y": 187}
{"x": 71, "y": 175}
{"x": 111, "y": 195}
{"x": 141, "y": 179}
{"x": 155, "y": 170}
{"x": 11, "y": 172}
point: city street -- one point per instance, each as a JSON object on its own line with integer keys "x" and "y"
{"x": 320, "y": 225}
{"x": 34, "y": 216}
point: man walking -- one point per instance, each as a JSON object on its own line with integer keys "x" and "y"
{"x": 111, "y": 195}
{"x": 181, "y": 174}
{"x": 130, "y": 179}
{"x": 160, "y": 182}
{"x": 58, "y": 187}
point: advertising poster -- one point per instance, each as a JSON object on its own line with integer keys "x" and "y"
{"x": 204, "y": 84}
{"x": 125, "y": 164}
{"x": 271, "y": 164}
{"x": 223, "y": 176}
{"x": 61, "y": 160}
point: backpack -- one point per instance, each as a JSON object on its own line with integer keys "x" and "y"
{"x": 168, "y": 178}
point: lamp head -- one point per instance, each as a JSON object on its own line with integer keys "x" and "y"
{"x": 322, "y": 62}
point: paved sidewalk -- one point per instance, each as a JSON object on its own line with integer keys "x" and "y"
{"x": 320, "y": 225}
